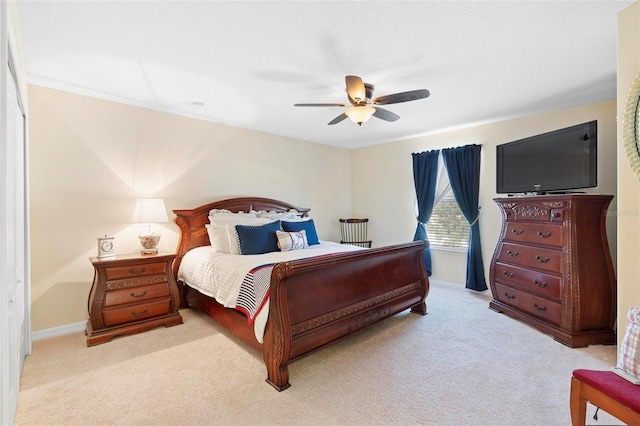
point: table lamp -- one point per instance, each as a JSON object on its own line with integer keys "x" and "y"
{"x": 149, "y": 211}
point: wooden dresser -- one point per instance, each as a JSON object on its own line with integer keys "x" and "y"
{"x": 552, "y": 268}
{"x": 131, "y": 293}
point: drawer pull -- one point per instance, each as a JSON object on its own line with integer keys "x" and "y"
{"x": 508, "y": 274}
{"x": 512, "y": 253}
{"x": 139, "y": 295}
{"x": 509, "y": 296}
{"x": 517, "y": 232}
{"x": 542, "y": 260}
{"x": 137, "y": 271}
{"x": 545, "y": 235}
{"x": 540, "y": 284}
{"x": 136, "y": 314}
{"x": 540, "y": 308}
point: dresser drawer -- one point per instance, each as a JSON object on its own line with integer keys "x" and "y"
{"x": 535, "y": 233}
{"x": 136, "y": 294}
{"x": 534, "y": 257}
{"x": 539, "y": 283}
{"x": 134, "y": 271}
{"x": 534, "y": 212}
{"x": 534, "y": 305}
{"x": 131, "y": 313}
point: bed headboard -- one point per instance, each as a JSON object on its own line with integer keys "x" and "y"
{"x": 192, "y": 222}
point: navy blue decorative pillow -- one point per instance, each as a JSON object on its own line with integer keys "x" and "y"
{"x": 258, "y": 239}
{"x": 305, "y": 225}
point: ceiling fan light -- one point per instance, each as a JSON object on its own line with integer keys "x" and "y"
{"x": 360, "y": 114}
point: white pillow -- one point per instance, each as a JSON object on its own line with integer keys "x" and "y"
{"x": 230, "y": 221}
{"x": 238, "y": 220}
{"x": 219, "y": 238}
{"x": 297, "y": 219}
{"x": 225, "y": 212}
{"x": 290, "y": 215}
{"x": 234, "y": 241}
{"x": 288, "y": 241}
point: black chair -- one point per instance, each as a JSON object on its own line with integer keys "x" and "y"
{"x": 354, "y": 232}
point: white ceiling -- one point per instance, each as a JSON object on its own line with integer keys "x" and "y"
{"x": 248, "y": 62}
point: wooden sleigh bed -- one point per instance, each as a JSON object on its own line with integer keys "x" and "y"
{"x": 313, "y": 301}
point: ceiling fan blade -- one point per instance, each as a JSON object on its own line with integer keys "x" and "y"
{"x": 355, "y": 88}
{"x": 385, "y": 114}
{"x": 320, "y": 105}
{"x": 396, "y": 98}
{"x": 338, "y": 119}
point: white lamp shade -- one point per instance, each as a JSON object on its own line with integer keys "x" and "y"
{"x": 360, "y": 114}
{"x": 150, "y": 210}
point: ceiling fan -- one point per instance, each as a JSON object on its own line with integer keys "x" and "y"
{"x": 363, "y": 106}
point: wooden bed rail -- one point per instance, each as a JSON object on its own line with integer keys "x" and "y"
{"x": 318, "y": 300}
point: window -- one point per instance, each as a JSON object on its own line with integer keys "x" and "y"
{"x": 447, "y": 227}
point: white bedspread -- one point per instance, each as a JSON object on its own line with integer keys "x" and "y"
{"x": 220, "y": 275}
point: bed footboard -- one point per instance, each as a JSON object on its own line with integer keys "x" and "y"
{"x": 315, "y": 301}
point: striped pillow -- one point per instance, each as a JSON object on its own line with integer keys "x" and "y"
{"x": 288, "y": 241}
{"x": 629, "y": 357}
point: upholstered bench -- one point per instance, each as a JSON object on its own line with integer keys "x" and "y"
{"x": 607, "y": 390}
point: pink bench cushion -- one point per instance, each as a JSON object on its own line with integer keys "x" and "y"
{"x": 612, "y": 385}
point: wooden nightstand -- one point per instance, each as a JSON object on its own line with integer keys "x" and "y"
{"x": 131, "y": 293}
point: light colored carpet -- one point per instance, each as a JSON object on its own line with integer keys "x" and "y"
{"x": 462, "y": 364}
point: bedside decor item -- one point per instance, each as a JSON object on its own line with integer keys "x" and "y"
{"x": 630, "y": 127}
{"x": 105, "y": 247}
{"x": 149, "y": 211}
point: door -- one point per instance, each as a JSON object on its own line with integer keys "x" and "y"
{"x": 15, "y": 343}
{"x": 16, "y": 312}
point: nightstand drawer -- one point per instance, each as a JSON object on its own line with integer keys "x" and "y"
{"x": 139, "y": 312}
{"x": 136, "y": 294}
{"x": 538, "y": 306}
{"x": 143, "y": 280}
{"x": 133, "y": 271}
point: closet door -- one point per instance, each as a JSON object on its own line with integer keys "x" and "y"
{"x": 14, "y": 340}
{"x": 17, "y": 186}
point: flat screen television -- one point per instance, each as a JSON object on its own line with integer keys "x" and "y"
{"x": 557, "y": 161}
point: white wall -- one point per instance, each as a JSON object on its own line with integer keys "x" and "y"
{"x": 383, "y": 188}
{"x": 90, "y": 160}
{"x": 628, "y": 185}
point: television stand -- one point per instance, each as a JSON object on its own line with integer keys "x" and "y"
{"x": 552, "y": 269}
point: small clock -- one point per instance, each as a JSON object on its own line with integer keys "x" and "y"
{"x": 105, "y": 246}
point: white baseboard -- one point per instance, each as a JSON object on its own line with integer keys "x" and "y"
{"x": 80, "y": 326}
{"x": 486, "y": 293}
{"x": 58, "y": 331}
{"x": 446, "y": 283}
